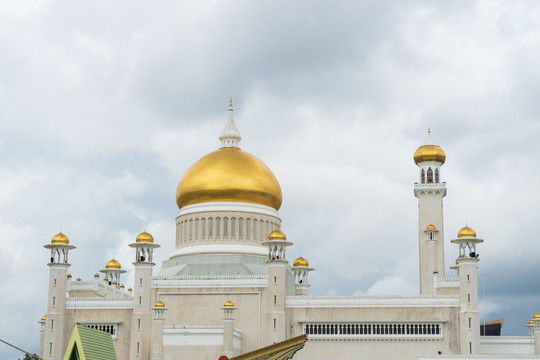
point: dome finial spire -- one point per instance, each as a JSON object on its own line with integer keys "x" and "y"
{"x": 230, "y": 137}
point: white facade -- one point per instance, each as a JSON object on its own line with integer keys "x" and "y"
{"x": 223, "y": 254}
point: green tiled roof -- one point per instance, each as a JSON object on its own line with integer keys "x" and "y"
{"x": 92, "y": 344}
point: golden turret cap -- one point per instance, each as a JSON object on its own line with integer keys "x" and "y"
{"x": 430, "y": 227}
{"x": 228, "y": 304}
{"x": 466, "y": 232}
{"x": 530, "y": 322}
{"x": 277, "y": 235}
{"x": 113, "y": 264}
{"x": 44, "y": 317}
{"x": 159, "y": 304}
{"x": 301, "y": 262}
{"x": 145, "y": 237}
{"x": 60, "y": 239}
{"x": 429, "y": 151}
{"x": 536, "y": 316}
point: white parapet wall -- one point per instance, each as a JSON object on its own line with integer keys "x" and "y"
{"x": 523, "y": 345}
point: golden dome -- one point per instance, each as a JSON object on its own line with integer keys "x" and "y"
{"x": 466, "y": 232}
{"x": 229, "y": 174}
{"x": 96, "y": 275}
{"x": 277, "y": 235}
{"x": 122, "y": 286}
{"x": 60, "y": 239}
{"x": 301, "y": 262}
{"x": 228, "y": 304}
{"x": 130, "y": 289}
{"x": 530, "y": 322}
{"x": 105, "y": 279}
{"x": 114, "y": 282}
{"x": 429, "y": 153}
{"x": 145, "y": 237}
{"x": 159, "y": 304}
{"x": 435, "y": 271}
{"x": 69, "y": 275}
{"x": 430, "y": 227}
{"x": 536, "y": 316}
{"x": 44, "y": 317}
{"x": 113, "y": 264}
{"x": 78, "y": 279}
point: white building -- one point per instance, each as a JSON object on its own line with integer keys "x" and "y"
{"x": 229, "y": 287}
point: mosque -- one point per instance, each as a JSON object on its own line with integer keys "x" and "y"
{"x": 229, "y": 288}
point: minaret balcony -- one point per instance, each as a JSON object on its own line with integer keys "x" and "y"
{"x": 420, "y": 188}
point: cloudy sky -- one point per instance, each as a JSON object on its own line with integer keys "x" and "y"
{"x": 103, "y": 106}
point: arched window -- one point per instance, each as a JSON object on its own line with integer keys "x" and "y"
{"x": 233, "y": 227}
{"x": 196, "y": 228}
{"x": 437, "y": 176}
{"x": 210, "y": 227}
{"x": 429, "y": 176}
{"x": 218, "y": 226}
{"x": 240, "y": 227}
{"x": 225, "y": 226}
{"x": 422, "y": 176}
{"x": 248, "y": 228}
{"x": 203, "y": 228}
{"x": 190, "y": 229}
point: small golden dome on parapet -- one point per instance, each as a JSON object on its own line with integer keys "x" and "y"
{"x": 435, "y": 271}
{"x": 122, "y": 286}
{"x": 466, "y": 232}
{"x": 145, "y": 237}
{"x": 96, "y": 275}
{"x": 301, "y": 262}
{"x": 114, "y": 282}
{"x": 229, "y": 174}
{"x": 60, "y": 239}
{"x": 44, "y": 317}
{"x": 113, "y": 264}
{"x": 536, "y": 316}
{"x": 69, "y": 276}
{"x": 277, "y": 235}
{"x": 530, "y": 322}
{"x": 159, "y": 304}
{"x": 228, "y": 304}
{"x": 79, "y": 279}
{"x": 430, "y": 227}
{"x": 130, "y": 289}
{"x": 105, "y": 279}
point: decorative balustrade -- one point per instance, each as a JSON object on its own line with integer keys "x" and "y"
{"x": 374, "y": 330}
{"x": 108, "y": 328}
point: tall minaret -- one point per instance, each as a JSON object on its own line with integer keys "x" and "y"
{"x": 141, "y": 321}
{"x": 430, "y": 192}
{"x": 469, "y": 317}
{"x": 275, "y": 299}
{"x": 53, "y": 342}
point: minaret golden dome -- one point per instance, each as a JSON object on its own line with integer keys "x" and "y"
{"x": 159, "y": 304}
{"x": 228, "y": 304}
{"x": 301, "y": 262}
{"x": 429, "y": 151}
{"x": 430, "y": 227}
{"x": 145, "y": 237}
{"x": 229, "y": 174}
{"x": 60, "y": 239}
{"x": 536, "y": 316}
{"x": 466, "y": 232}
{"x": 277, "y": 235}
{"x": 113, "y": 264}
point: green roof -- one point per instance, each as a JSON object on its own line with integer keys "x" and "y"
{"x": 90, "y": 344}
